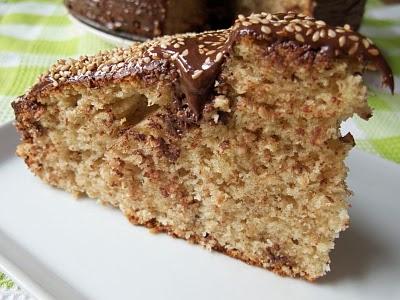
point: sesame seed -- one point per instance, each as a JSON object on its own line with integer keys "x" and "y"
{"x": 354, "y": 38}
{"x": 331, "y": 33}
{"x": 218, "y": 57}
{"x": 322, "y": 34}
{"x": 366, "y": 43}
{"x": 266, "y": 29}
{"x": 339, "y": 30}
{"x": 196, "y": 74}
{"x": 175, "y": 56}
{"x": 185, "y": 52}
{"x": 105, "y": 68}
{"x": 289, "y": 28}
{"x": 342, "y": 41}
{"x": 241, "y": 18}
{"x": 245, "y": 23}
{"x": 347, "y": 27}
{"x": 373, "y": 51}
{"x": 320, "y": 23}
{"x": 298, "y": 28}
{"x": 210, "y": 52}
{"x": 146, "y": 59}
{"x": 309, "y": 31}
{"x": 353, "y": 49}
{"x": 254, "y": 20}
{"x": 315, "y": 36}
{"x": 299, "y": 37}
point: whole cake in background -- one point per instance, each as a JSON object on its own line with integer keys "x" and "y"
{"x": 142, "y": 19}
{"x": 227, "y": 138}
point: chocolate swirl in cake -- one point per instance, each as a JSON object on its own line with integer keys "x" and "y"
{"x": 197, "y": 58}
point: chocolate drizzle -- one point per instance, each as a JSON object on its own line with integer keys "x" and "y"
{"x": 193, "y": 61}
{"x": 198, "y": 58}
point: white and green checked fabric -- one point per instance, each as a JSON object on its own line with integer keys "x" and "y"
{"x": 35, "y": 33}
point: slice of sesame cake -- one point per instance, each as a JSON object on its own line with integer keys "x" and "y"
{"x": 229, "y": 138}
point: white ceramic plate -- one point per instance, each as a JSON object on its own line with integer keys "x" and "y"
{"x": 58, "y": 247}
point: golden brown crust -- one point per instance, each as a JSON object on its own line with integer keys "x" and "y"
{"x": 281, "y": 265}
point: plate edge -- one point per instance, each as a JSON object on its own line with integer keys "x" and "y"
{"x": 23, "y": 280}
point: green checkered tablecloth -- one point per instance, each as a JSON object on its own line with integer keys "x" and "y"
{"x": 35, "y": 33}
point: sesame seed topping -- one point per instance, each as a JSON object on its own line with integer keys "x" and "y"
{"x": 185, "y": 52}
{"x": 211, "y": 47}
{"x": 373, "y": 51}
{"x": 342, "y": 41}
{"x": 299, "y": 37}
{"x": 347, "y": 27}
{"x": 315, "y": 36}
{"x": 210, "y": 52}
{"x": 218, "y": 57}
{"x": 353, "y": 49}
{"x": 298, "y": 28}
{"x": 331, "y": 33}
{"x": 197, "y": 73}
{"x": 354, "y": 38}
{"x": 266, "y": 29}
{"x": 289, "y": 28}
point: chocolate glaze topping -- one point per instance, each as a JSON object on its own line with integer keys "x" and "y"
{"x": 196, "y": 59}
{"x": 199, "y": 58}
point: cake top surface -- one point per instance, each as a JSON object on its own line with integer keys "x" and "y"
{"x": 197, "y": 58}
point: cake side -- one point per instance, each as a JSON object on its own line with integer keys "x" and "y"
{"x": 257, "y": 172}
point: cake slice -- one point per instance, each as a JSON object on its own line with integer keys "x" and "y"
{"x": 229, "y": 138}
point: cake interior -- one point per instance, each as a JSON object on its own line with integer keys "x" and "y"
{"x": 261, "y": 176}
